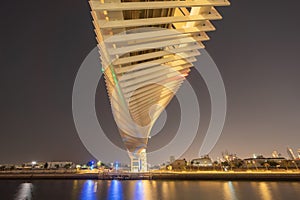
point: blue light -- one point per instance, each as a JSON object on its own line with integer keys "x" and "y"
{"x": 115, "y": 190}
{"x": 139, "y": 191}
{"x": 117, "y": 165}
{"x": 88, "y": 191}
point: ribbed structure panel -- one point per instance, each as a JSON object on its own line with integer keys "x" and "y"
{"x": 147, "y": 49}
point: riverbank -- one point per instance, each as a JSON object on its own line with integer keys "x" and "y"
{"x": 212, "y": 175}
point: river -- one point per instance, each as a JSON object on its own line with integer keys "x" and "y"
{"x": 146, "y": 189}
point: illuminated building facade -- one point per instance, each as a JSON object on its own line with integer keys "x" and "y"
{"x": 205, "y": 161}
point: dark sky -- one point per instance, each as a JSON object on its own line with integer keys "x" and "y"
{"x": 256, "y": 47}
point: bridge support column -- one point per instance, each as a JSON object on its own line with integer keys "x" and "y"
{"x": 139, "y": 161}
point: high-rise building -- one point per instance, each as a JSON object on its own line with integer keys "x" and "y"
{"x": 147, "y": 49}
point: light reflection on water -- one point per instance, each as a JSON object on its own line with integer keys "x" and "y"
{"x": 89, "y": 190}
{"x": 24, "y": 192}
{"x": 139, "y": 191}
{"x": 229, "y": 191}
{"x": 115, "y": 190}
{"x": 265, "y": 191}
{"x": 146, "y": 190}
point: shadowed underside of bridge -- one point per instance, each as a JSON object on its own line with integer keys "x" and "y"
{"x": 147, "y": 49}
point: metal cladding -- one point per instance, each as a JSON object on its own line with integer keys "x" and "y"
{"x": 147, "y": 49}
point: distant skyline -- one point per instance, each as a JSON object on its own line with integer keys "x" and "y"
{"x": 256, "y": 52}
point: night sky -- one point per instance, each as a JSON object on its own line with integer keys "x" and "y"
{"x": 256, "y": 48}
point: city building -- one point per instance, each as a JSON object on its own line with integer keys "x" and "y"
{"x": 147, "y": 49}
{"x": 229, "y": 156}
{"x": 33, "y": 165}
{"x": 58, "y": 164}
{"x": 172, "y": 159}
{"x": 262, "y": 162}
{"x": 204, "y": 161}
{"x": 179, "y": 164}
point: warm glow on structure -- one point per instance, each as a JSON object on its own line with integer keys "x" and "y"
{"x": 145, "y": 67}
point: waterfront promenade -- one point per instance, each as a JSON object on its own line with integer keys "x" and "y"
{"x": 205, "y": 175}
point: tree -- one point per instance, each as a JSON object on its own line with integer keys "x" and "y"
{"x": 46, "y": 165}
{"x": 285, "y": 163}
{"x": 67, "y": 166}
{"x": 215, "y": 164}
{"x": 296, "y": 165}
{"x": 249, "y": 164}
{"x": 238, "y": 163}
{"x": 225, "y": 165}
{"x": 272, "y": 163}
{"x": 266, "y": 165}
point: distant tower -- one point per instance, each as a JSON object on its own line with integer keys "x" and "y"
{"x": 291, "y": 153}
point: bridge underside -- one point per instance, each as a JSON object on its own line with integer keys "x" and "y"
{"x": 147, "y": 49}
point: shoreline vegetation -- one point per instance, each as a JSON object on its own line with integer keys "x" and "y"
{"x": 289, "y": 175}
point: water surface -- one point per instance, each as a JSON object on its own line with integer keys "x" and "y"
{"x": 145, "y": 189}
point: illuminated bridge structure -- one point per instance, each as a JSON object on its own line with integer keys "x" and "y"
{"x": 147, "y": 49}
